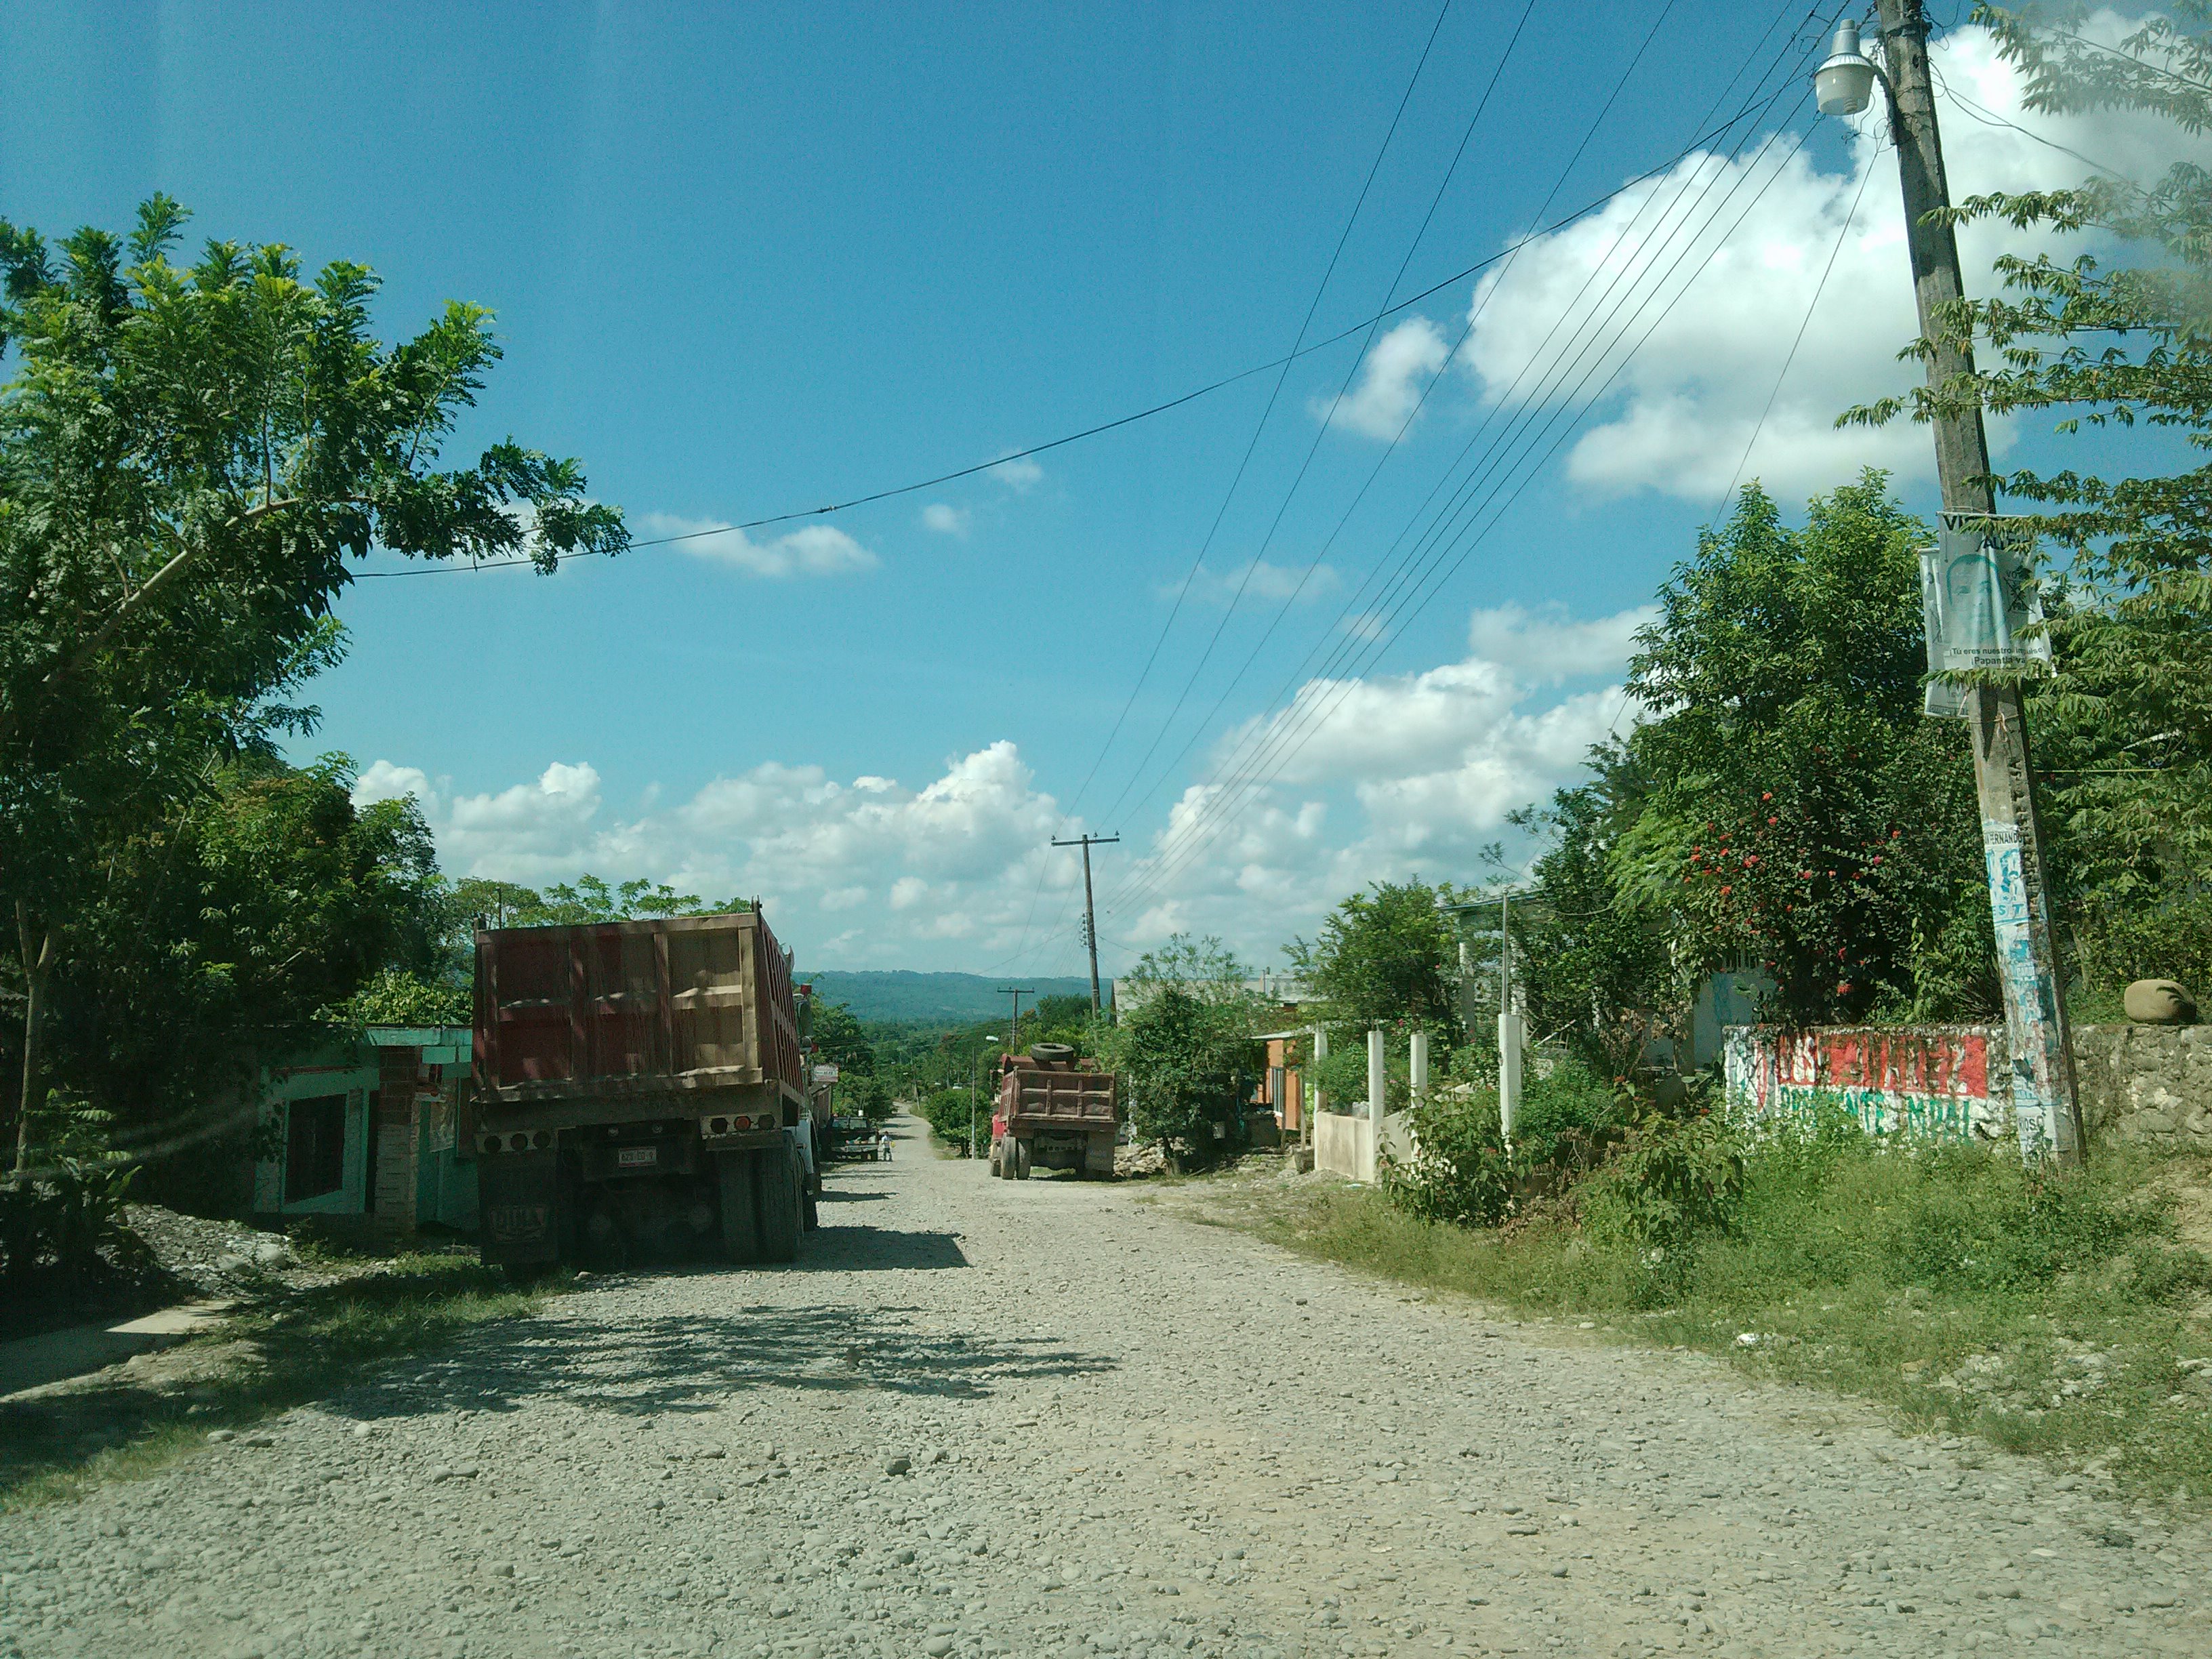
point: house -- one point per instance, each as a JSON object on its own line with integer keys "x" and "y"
{"x": 1282, "y": 1085}
{"x": 371, "y": 1128}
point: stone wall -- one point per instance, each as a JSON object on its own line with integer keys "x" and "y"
{"x": 2148, "y": 1085}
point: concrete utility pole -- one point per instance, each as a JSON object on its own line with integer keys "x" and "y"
{"x": 2044, "y": 1095}
{"x": 1090, "y": 915}
{"x": 1313, "y": 1100}
{"x": 1511, "y": 1037}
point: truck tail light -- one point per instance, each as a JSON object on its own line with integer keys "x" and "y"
{"x": 721, "y": 1126}
{"x": 517, "y": 1141}
{"x": 542, "y": 1139}
{"x": 491, "y": 1143}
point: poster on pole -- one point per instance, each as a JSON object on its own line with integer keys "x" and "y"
{"x": 1977, "y": 602}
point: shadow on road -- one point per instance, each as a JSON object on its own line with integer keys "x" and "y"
{"x": 862, "y": 1248}
{"x": 650, "y": 1364}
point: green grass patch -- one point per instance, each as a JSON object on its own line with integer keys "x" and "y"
{"x": 2051, "y": 1316}
{"x": 303, "y": 1347}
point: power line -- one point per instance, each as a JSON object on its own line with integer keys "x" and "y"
{"x": 1819, "y": 287}
{"x": 1296, "y": 734}
{"x": 1455, "y": 512}
{"x": 1102, "y": 426}
{"x": 1274, "y": 393}
{"x": 1475, "y": 313}
{"x": 1322, "y": 427}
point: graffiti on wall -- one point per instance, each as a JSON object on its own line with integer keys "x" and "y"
{"x": 1932, "y": 1082}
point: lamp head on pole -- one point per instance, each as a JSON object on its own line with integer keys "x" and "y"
{"x": 1844, "y": 83}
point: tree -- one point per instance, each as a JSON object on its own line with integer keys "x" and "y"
{"x": 187, "y": 459}
{"x": 1188, "y": 1063}
{"x": 2124, "y": 725}
{"x": 1384, "y": 957}
{"x": 842, "y": 1041}
{"x": 1794, "y": 812}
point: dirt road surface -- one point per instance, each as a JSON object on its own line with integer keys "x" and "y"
{"x": 1062, "y": 1419}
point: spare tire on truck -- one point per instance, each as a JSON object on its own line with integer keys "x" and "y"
{"x": 1052, "y": 1053}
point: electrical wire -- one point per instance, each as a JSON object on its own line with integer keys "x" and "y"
{"x": 1819, "y": 287}
{"x": 1466, "y": 538}
{"x": 1757, "y": 106}
{"x": 1454, "y": 519}
{"x": 1244, "y": 462}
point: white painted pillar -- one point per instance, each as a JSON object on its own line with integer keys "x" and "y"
{"x": 1313, "y": 1100}
{"x": 1378, "y": 1096}
{"x": 1418, "y": 1066}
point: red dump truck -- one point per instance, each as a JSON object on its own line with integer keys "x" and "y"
{"x": 1054, "y": 1111}
{"x": 641, "y": 1092}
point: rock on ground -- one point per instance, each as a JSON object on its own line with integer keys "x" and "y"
{"x": 985, "y": 1418}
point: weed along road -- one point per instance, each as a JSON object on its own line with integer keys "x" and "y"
{"x": 1056, "y": 1416}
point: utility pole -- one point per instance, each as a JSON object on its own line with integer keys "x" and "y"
{"x": 1510, "y": 1036}
{"x": 1014, "y": 1027}
{"x": 2045, "y": 1100}
{"x": 1090, "y": 915}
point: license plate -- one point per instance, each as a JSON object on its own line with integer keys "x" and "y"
{"x": 631, "y": 1157}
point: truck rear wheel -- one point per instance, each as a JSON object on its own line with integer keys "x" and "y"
{"x": 740, "y": 1207}
{"x": 781, "y": 1215}
{"x": 1022, "y": 1160}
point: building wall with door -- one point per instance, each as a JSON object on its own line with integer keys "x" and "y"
{"x": 372, "y": 1127}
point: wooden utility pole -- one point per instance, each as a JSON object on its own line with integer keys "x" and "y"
{"x": 1014, "y": 1027}
{"x": 1090, "y": 914}
{"x": 2044, "y": 1095}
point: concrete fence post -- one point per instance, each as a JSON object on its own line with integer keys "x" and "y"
{"x": 1378, "y": 1097}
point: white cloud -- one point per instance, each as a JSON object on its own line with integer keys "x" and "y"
{"x": 1391, "y": 382}
{"x": 1408, "y": 774}
{"x": 1257, "y": 580}
{"x": 1019, "y": 473}
{"x": 814, "y": 549}
{"x": 1687, "y": 406}
{"x": 1552, "y": 645}
{"x": 946, "y": 519}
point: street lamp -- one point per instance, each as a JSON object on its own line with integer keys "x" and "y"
{"x": 974, "y": 1065}
{"x": 2046, "y": 1104}
{"x": 1845, "y": 84}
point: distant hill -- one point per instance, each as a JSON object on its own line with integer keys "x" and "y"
{"x": 957, "y": 998}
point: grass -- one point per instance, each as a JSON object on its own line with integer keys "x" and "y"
{"x": 271, "y": 1357}
{"x": 1951, "y": 1287}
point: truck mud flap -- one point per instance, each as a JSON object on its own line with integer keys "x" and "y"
{"x": 519, "y": 1207}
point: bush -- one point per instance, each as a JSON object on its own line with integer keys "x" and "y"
{"x": 66, "y": 1224}
{"x": 1672, "y": 1181}
{"x": 1460, "y": 1171}
{"x": 1567, "y": 1120}
{"x": 947, "y": 1113}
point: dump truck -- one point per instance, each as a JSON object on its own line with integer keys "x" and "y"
{"x": 1054, "y": 1111}
{"x": 641, "y": 1092}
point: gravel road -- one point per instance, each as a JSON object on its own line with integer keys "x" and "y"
{"x": 1053, "y": 1417}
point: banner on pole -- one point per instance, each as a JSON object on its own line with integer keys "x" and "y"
{"x": 1977, "y": 602}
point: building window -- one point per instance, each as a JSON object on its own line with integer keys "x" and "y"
{"x": 314, "y": 1147}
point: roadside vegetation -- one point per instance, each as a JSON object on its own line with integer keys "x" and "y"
{"x": 300, "y": 1347}
{"x": 2065, "y": 1318}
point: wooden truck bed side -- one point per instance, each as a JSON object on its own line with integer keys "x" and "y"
{"x": 684, "y": 1004}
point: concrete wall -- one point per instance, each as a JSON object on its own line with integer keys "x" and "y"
{"x": 2150, "y": 1084}
{"x": 1342, "y": 1144}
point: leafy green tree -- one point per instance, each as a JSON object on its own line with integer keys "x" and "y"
{"x": 1188, "y": 1065}
{"x": 187, "y": 457}
{"x": 2119, "y": 337}
{"x": 1385, "y": 957}
{"x": 841, "y": 1040}
{"x": 1794, "y": 812}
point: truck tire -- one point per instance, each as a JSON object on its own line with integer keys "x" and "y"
{"x": 1022, "y": 1160}
{"x": 781, "y": 1213}
{"x": 811, "y": 1209}
{"x": 740, "y": 1208}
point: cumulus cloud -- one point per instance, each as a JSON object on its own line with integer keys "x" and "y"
{"x": 1019, "y": 473}
{"x": 1688, "y": 403}
{"x": 1389, "y": 777}
{"x": 946, "y": 519}
{"x": 1390, "y": 381}
{"x": 1257, "y": 581}
{"x": 814, "y": 549}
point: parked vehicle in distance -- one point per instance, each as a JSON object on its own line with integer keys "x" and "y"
{"x": 1054, "y": 1111}
{"x": 641, "y": 1091}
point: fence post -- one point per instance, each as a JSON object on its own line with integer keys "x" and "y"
{"x": 1378, "y": 1098}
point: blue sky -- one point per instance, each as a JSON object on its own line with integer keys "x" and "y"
{"x": 746, "y": 261}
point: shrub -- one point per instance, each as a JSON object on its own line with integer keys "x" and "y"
{"x": 1673, "y": 1180}
{"x": 947, "y": 1112}
{"x": 1460, "y": 1172}
{"x": 67, "y": 1222}
{"x": 1567, "y": 1120}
